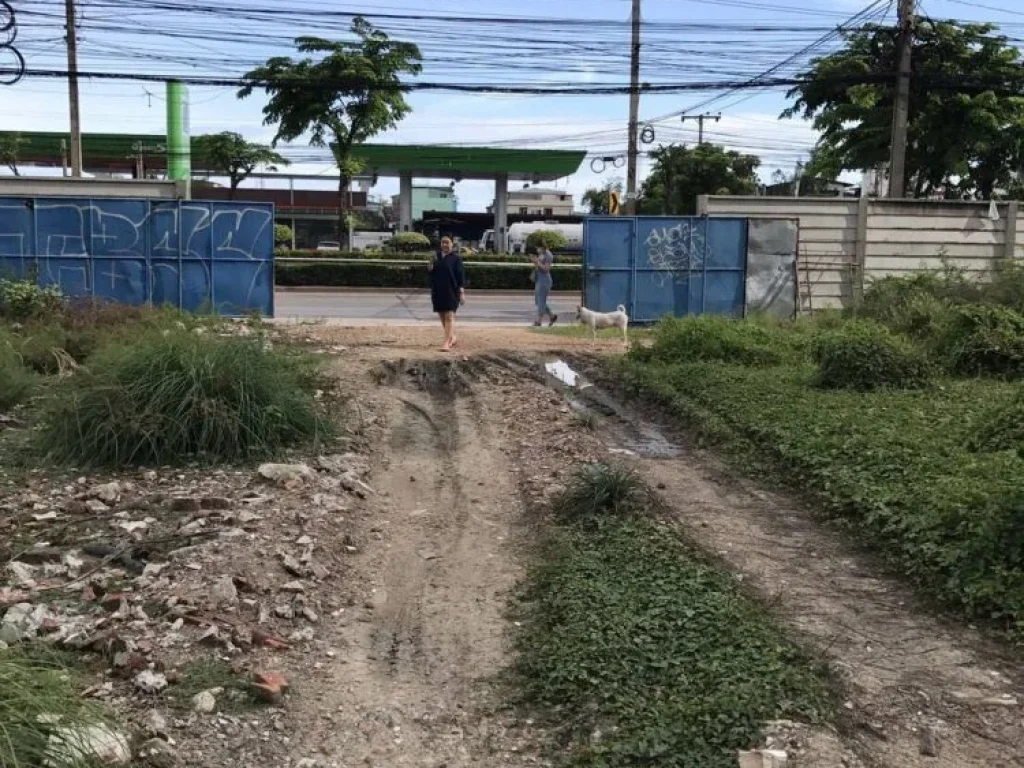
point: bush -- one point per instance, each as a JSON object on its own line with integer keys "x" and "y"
{"x": 720, "y": 339}
{"x": 24, "y": 300}
{"x": 164, "y": 398}
{"x": 501, "y": 277}
{"x": 282, "y": 236}
{"x": 408, "y": 242}
{"x": 1001, "y": 429}
{"x": 424, "y": 256}
{"x": 552, "y": 238}
{"x": 865, "y": 357}
{"x": 598, "y": 491}
{"x": 984, "y": 339}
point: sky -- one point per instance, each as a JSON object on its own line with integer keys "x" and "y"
{"x": 585, "y": 43}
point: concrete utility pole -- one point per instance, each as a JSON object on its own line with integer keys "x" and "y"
{"x": 700, "y": 123}
{"x": 76, "y": 122}
{"x": 901, "y": 108}
{"x": 634, "y": 114}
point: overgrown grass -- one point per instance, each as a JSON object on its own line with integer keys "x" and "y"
{"x": 35, "y": 688}
{"x": 236, "y": 694}
{"x": 16, "y": 382}
{"x": 708, "y": 337}
{"x": 897, "y": 464}
{"x": 643, "y": 652}
{"x": 867, "y": 356}
{"x": 1001, "y": 428}
{"x": 171, "y": 396}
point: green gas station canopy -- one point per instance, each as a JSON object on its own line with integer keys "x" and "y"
{"x": 117, "y": 152}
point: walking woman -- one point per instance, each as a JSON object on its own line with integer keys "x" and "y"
{"x": 542, "y": 262}
{"x": 447, "y": 289}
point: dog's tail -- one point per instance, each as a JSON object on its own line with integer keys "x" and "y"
{"x": 621, "y": 309}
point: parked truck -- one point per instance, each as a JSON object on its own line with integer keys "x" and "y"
{"x": 520, "y": 231}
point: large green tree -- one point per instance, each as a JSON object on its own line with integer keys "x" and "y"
{"x": 341, "y": 94}
{"x": 230, "y": 154}
{"x": 966, "y": 117}
{"x": 596, "y": 198}
{"x": 680, "y": 174}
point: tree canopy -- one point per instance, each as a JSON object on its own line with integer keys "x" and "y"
{"x": 10, "y": 150}
{"x": 966, "y": 121}
{"x": 230, "y": 154}
{"x": 341, "y": 94}
{"x": 596, "y": 198}
{"x": 680, "y": 174}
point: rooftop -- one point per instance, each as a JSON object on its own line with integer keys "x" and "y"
{"x": 116, "y": 151}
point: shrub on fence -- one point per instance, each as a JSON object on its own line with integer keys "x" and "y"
{"x": 710, "y": 338}
{"x": 984, "y": 339}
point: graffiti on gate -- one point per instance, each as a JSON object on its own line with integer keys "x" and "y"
{"x": 677, "y": 250}
{"x": 188, "y": 253}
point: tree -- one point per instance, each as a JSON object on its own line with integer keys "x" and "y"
{"x": 552, "y": 238}
{"x": 10, "y": 150}
{"x": 966, "y": 117}
{"x": 682, "y": 173}
{"x": 341, "y": 94}
{"x": 230, "y": 154}
{"x": 596, "y": 198}
{"x": 283, "y": 236}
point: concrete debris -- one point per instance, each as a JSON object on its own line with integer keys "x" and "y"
{"x": 150, "y": 682}
{"x": 110, "y": 493}
{"x": 155, "y": 724}
{"x": 288, "y": 476}
{"x": 92, "y": 744}
{"x": 157, "y": 753}
{"x": 96, "y": 507}
{"x": 293, "y": 566}
{"x": 22, "y": 574}
{"x": 24, "y": 621}
{"x": 224, "y": 592}
{"x": 293, "y": 586}
{"x": 205, "y": 702}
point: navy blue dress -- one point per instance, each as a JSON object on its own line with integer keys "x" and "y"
{"x": 447, "y": 278}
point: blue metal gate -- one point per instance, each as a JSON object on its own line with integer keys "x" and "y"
{"x": 199, "y": 256}
{"x": 659, "y": 266}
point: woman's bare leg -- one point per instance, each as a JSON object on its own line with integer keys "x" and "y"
{"x": 451, "y": 330}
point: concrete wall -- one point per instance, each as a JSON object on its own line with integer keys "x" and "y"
{"x": 845, "y": 244}
{"x": 27, "y": 186}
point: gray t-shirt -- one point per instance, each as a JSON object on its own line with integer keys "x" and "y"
{"x": 546, "y": 259}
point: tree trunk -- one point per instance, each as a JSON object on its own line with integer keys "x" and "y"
{"x": 343, "y": 212}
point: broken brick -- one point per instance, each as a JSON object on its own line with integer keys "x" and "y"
{"x": 269, "y": 686}
{"x": 266, "y": 640}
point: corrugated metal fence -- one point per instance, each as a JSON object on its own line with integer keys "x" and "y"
{"x": 845, "y": 244}
{"x": 199, "y": 256}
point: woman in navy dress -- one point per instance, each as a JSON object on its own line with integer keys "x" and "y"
{"x": 447, "y": 289}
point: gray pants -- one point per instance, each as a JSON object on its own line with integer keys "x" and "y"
{"x": 540, "y": 294}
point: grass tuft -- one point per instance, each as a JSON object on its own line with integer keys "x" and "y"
{"x": 172, "y": 396}
{"x": 16, "y": 383}
{"x": 598, "y": 491}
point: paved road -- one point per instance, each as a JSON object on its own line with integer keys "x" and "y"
{"x": 512, "y": 308}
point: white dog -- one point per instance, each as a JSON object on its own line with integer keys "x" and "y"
{"x": 599, "y": 320}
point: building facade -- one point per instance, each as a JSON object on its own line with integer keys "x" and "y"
{"x": 538, "y": 201}
{"x": 430, "y": 199}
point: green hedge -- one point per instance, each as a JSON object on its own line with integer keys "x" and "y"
{"x": 490, "y": 258}
{"x": 502, "y": 277}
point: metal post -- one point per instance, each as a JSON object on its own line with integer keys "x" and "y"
{"x": 179, "y": 150}
{"x": 700, "y": 123}
{"x": 901, "y": 108}
{"x": 76, "y": 121}
{"x": 634, "y": 113}
{"x": 405, "y": 203}
{"x": 501, "y": 213}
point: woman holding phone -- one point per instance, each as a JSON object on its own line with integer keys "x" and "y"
{"x": 447, "y": 289}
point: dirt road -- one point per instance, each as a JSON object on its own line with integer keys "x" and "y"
{"x": 466, "y": 439}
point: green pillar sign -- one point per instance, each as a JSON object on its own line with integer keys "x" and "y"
{"x": 179, "y": 145}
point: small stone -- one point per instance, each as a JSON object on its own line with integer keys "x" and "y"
{"x": 305, "y": 635}
{"x": 22, "y": 574}
{"x": 45, "y": 517}
{"x": 929, "y": 743}
{"x": 155, "y": 724}
{"x": 304, "y": 541}
{"x": 110, "y": 493}
{"x": 150, "y": 682}
{"x": 112, "y": 601}
{"x": 157, "y": 753}
{"x": 204, "y": 702}
{"x": 310, "y": 615}
{"x": 224, "y": 592}
{"x": 211, "y": 637}
{"x": 293, "y": 566}
{"x": 284, "y": 611}
{"x": 96, "y": 507}
{"x": 185, "y": 505}
{"x": 269, "y": 686}
{"x": 288, "y": 476}
{"x": 294, "y": 587}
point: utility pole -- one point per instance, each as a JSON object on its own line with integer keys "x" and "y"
{"x": 901, "y": 108}
{"x": 76, "y": 122}
{"x": 700, "y": 123}
{"x": 634, "y": 114}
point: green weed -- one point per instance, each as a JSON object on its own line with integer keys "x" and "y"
{"x": 171, "y": 396}
{"x": 236, "y": 692}
{"x": 642, "y": 653}
{"x": 866, "y": 356}
{"x": 597, "y": 491}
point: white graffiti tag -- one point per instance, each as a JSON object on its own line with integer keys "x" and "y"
{"x": 676, "y": 251}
